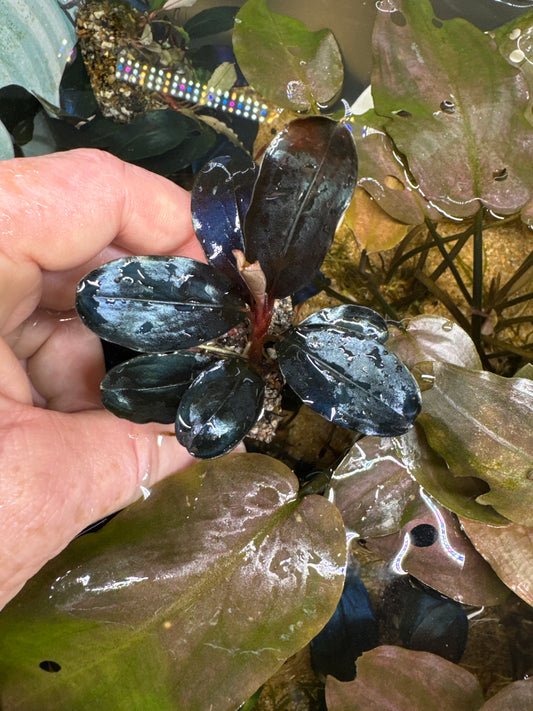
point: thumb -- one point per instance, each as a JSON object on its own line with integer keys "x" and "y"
{"x": 62, "y": 471}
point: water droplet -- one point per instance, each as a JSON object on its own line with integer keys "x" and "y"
{"x": 238, "y": 21}
{"x": 517, "y": 56}
{"x": 515, "y": 34}
{"x": 447, "y": 326}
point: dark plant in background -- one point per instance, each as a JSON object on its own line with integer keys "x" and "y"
{"x": 265, "y": 236}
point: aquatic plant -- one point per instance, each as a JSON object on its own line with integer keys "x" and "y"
{"x": 265, "y": 237}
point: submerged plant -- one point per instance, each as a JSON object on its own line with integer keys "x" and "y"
{"x": 265, "y": 234}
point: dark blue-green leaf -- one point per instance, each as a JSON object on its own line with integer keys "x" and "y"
{"x": 352, "y": 381}
{"x": 149, "y": 388}
{"x": 153, "y": 304}
{"x": 211, "y": 21}
{"x": 219, "y": 408}
{"x": 352, "y": 318}
{"x": 351, "y": 631}
{"x": 432, "y": 623}
{"x": 219, "y": 203}
{"x": 305, "y": 184}
{"x": 144, "y": 140}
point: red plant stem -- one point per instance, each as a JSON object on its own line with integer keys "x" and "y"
{"x": 261, "y": 318}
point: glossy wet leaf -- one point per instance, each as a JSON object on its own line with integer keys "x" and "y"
{"x": 373, "y": 228}
{"x": 305, "y": 184}
{"x": 351, "y": 630}
{"x": 430, "y": 337}
{"x": 189, "y": 600}
{"x": 373, "y": 490}
{"x": 352, "y": 381}
{"x": 211, "y": 21}
{"x": 155, "y": 304}
{"x": 219, "y": 202}
{"x": 219, "y": 408}
{"x": 286, "y": 63}
{"x": 398, "y": 679}
{"x": 480, "y": 423}
{"x": 149, "y": 388}
{"x": 351, "y": 318}
{"x": 36, "y": 41}
{"x": 458, "y": 494}
{"x": 509, "y": 550}
{"x": 452, "y": 102}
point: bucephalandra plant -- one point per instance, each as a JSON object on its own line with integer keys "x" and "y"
{"x": 265, "y": 233}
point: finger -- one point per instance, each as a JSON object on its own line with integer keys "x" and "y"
{"x": 67, "y": 368}
{"x": 83, "y": 466}
{"x": 60, "y": 211}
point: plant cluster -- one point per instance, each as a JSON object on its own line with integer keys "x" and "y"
{"x": 232, "y": 567}
{"x": 265, "y": 235}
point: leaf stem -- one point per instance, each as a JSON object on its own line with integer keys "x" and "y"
{"x": 477, "y": 281}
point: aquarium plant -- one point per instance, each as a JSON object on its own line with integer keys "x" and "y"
{"x": 265, "y": 234}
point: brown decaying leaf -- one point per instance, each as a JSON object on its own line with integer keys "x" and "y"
{"x": 373, "y": 228}
{"x": 509, "y": 550}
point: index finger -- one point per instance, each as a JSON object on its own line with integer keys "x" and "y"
{"x": 61, "y": 210}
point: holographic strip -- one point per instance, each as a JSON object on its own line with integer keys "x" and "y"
{"x": 174, "y": 84}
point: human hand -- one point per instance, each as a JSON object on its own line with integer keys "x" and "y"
{"x": 64, "y": 461}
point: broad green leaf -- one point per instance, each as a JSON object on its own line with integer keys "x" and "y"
{"x": 36, "y": 40}
{"x": 396, "y": 679}
{"x": 452, "y": 104}
{"x": 431, "y": 337}
{"x": 290, "y": 66}
{"x": 187, "y": 601}
{"x": 481, "y": 424}
{"x": 509, "y": 550}
{"x": 458, "y": 494}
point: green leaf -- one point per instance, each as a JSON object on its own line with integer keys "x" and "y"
{"x": 458, "y": 494}
{"x": 36, "y": 40}
{"x": 480, "y": 423}
{"x": 211, "y": 21}
{"x": 450, "y": 103}
{"x": 187, "y": 601}
{"x": 395, "y": 679}
{"x": 294, "y": 68}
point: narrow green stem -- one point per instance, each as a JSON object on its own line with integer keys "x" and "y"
{"x": 477, "y": 281}
{"x": 449, "y": 261}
